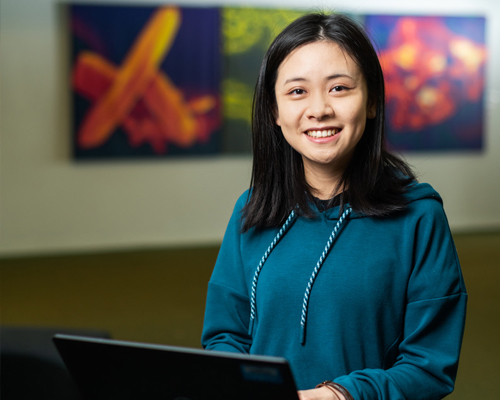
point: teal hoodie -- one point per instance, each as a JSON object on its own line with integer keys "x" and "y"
{"x": 375, "y": 304}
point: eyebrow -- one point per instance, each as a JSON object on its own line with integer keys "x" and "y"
{"x": 334, "y": 76}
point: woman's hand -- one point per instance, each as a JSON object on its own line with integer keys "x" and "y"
{"x": 322, "y": 393}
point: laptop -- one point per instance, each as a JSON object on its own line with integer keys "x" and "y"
{"x": 106, "y": 369}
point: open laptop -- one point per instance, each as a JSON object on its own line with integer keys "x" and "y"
{"x": 118, "y": 370}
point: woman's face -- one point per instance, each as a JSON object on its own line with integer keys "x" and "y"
{"x": 322, "y": 105}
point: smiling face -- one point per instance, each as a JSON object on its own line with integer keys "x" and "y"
{"x": 322, "y": 106}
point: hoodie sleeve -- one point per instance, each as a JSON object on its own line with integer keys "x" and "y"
{"x": 429, "y": 347}
{"x": 227, "y": 308}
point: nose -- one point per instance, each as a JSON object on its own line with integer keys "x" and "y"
{"x": 319, "y": 107}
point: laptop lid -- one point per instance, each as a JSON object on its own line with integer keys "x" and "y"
{"x": 110, "y": 369}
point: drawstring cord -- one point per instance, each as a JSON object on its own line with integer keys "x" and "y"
{"x": 277, "y": 238}
{"x": 288, "y": 223}
{"x": 319, "y": 264}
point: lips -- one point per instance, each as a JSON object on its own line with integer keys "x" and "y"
{"x": 320, "y": 133}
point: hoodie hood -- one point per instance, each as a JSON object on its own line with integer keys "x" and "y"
{"x": 420, "y": 191}
{"x": 414, "y": 192}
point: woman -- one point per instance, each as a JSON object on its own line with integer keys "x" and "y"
{"x": 336, "y": 258}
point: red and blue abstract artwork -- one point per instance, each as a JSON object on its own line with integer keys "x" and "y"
{"x": 434, "y": 69}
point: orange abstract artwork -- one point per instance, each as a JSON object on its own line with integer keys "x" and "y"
{"x": 136, "y": 98}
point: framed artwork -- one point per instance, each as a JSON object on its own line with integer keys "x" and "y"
{"x": 246, "y": 35}
{"x": 145, "y": 81}
{"x": 434, "y": 69}
{"x": 162, "y": 81}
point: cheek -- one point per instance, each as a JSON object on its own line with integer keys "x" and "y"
{"x": 371, "y": 111}
{"x": 276, "y": 114}
{"x": 287, "y": 114}
{"x": 292, "y": 140}
{"x": 356, "y": 115}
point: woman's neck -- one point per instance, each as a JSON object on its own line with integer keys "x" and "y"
{"x": 324, "y": 180}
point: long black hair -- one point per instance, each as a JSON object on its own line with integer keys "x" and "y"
{"x": 374, "y": 180}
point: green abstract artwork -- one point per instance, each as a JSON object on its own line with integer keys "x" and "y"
{"x": 246, "y": 35}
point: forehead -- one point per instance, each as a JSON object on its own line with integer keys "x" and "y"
{"x": 323, "y": 56}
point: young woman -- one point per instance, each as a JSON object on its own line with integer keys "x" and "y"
{"x": 336, "y": 258}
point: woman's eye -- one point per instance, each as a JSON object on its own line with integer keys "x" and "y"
{"x": 297, "y": 91}
{"x": 339, "y": 88}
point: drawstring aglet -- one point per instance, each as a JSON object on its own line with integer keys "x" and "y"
{"x": 250, "y": 327}
{"x": 302, "y": 334}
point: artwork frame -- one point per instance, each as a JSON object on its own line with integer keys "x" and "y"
{"x": 132, "y": 98}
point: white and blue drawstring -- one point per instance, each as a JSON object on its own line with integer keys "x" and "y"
{"x": 279, "y": 235}
{"x": 305, "y": 303}
{"x": 291, "y": 218}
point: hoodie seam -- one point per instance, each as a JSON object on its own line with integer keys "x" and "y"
{"x": 437, "y": 298}
{"x": 229, "y": 287}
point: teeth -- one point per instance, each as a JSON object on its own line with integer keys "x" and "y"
{"x": 324, "y": 133}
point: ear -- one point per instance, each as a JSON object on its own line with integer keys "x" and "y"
{"x": 371, "y": 109}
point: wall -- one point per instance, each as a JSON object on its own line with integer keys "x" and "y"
{"x": 48, "y": 203}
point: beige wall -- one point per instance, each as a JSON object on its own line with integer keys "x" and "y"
{"x": 49, "y": 204}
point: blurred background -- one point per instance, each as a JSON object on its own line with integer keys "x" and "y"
{"x": 128, "y": 247}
